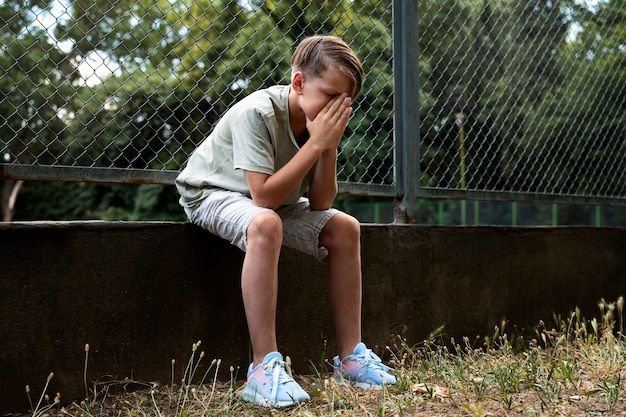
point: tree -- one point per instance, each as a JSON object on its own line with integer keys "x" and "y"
{"x": 175, "y": 66}
{"x": 509, "y": 61}
{"x": 538, "y": 85}
{"x": 582, "y": 118}
{"x": 32, "y": 90}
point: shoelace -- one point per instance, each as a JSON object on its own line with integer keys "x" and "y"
{"x": 280, "y": 375}
{"x": 370, "y": 359}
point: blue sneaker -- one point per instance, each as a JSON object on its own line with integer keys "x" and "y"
{"x": 363, "y": 369}
{"x": 270, "y": 384}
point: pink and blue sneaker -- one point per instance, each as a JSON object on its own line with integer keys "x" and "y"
{"x": 270, "y": 384}
{"x": 363, "y": 369}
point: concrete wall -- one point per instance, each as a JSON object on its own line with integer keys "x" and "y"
{"x": 142, "y": 293}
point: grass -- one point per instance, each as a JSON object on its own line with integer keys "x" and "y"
{"x": 576, "y": 367}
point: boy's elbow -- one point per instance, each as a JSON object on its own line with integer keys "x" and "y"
{"x": 322, "y": 202}
{"x": 319, "y": 207}
{"x": 265, "y": 203}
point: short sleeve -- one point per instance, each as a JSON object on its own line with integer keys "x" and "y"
{"x": 253, "y": 148}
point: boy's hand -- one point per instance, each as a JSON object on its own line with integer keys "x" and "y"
{"x": 328, "y": 126}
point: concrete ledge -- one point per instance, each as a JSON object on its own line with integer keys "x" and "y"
{"x": 142, "y": 293}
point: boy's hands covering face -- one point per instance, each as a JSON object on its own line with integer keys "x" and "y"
{"x": 328, "y": 126}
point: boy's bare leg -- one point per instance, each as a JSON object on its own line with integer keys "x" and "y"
{"x": 259, "y": 282}
{"x": 341, "y": 236}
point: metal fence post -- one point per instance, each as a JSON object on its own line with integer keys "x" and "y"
{"x": 406, "y": 108}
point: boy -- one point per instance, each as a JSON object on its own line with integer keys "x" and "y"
{"x": 245, "y": 183}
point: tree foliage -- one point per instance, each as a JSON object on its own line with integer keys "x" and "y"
{"x": 535, "y": 94}
{"x": 532, "y": 81}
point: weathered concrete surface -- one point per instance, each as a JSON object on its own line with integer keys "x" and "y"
{"x": 142, "y": 293}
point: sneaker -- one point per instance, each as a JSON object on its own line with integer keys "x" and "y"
{"x": 363, "y": 369}
{"x": 270, "y": 384}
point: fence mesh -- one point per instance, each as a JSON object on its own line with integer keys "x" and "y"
{"x": 514, "y": 96}
{"x": 524, "y": 96}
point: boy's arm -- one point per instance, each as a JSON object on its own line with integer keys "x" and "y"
{"x": 325, "y": 133}
{"x": 323, "y": 188}
{"x": 271, "y": 190}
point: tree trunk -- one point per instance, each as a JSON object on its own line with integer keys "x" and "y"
{"x": 10, "y": 189}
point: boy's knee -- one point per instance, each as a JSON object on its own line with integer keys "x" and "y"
{"x": 266, "y": 227}
{"x": 341, "y": 229}
{"x": 350, "y": 225}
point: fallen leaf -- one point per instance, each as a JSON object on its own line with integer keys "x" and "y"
{"x": 433, "y": 391}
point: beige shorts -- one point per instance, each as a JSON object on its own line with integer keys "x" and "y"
{"x": 228, "y": 214}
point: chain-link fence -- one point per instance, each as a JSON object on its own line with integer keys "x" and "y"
{"x": 524, "y": 97}
{"x": 495, "y": 99}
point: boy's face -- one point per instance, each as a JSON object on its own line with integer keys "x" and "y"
{"x": 315, "y": 93}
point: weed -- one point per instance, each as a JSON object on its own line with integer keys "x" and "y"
{"x": 85, "y": 372}
{"x": 612, "y": 388}
{"x": 41, "y": 409}
{"x": 574, "y": 367}
{"x": 475, "y": 410}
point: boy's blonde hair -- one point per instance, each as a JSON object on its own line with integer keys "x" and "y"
{"x": 316, "y": 54}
